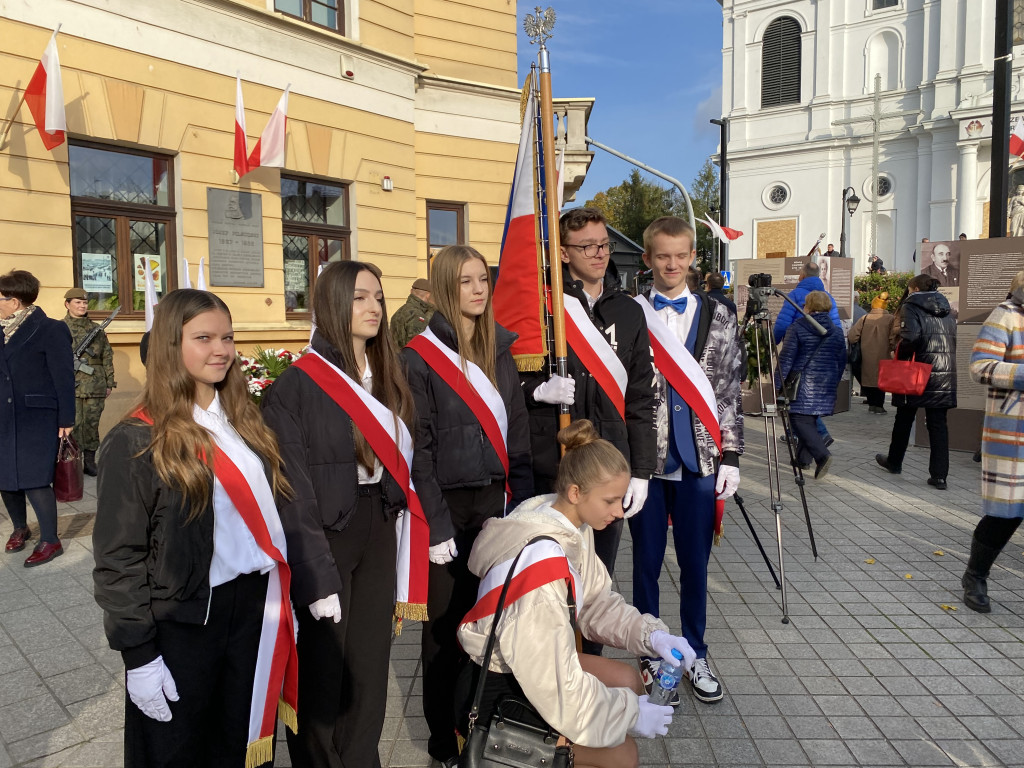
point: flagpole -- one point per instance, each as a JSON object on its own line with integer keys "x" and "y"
{"x": 24, "y": 95}
{"x": 539, "y": 28}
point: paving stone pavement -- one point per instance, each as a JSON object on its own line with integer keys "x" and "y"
{"x": 870, "y": 671}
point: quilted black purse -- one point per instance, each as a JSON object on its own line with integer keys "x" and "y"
{"x": 509, "y": 741}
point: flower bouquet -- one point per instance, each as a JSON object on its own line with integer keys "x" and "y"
{"x": 264, "y": 366}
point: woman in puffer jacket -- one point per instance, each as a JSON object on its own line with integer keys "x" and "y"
{"x": 925, "y": 329}
{"x": 820, "y": 361}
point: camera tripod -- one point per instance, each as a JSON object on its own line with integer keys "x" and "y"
{"x": 777, "y": 409}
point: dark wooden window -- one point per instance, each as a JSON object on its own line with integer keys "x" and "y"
{"x": 122, "y": 206}
{"x": 780, "y": 63}
{"x": 880, "y": 4}
{"x": 445, "y": 226}
{"x": 323, "y": 13}
{"x": 315, "y": 223}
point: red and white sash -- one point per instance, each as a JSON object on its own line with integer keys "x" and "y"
{"x": 476, "y": 391}
{"x": 541, "y": 563}
{"x": 276, "y": 681}
{"x": 394, "y": 451}
{"x": 682, "y": 371}
{"x": 596, "y": 354}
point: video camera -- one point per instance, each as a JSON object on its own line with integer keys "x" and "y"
{"x": 760, "y": 289}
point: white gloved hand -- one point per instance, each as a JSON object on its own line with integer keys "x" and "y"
{"x": 652, "y": 721}
{"x": 150, "y": 686}
{"x": 327, "y": 608}
{"x": 662, "y": 643}
{"x": 443, "y": 553}
{"x": 558, "y": 390}
{"x": 728, "y": 481}
{"x": 635, "y": 496}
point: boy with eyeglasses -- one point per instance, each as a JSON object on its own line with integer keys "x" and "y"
{"x": 624, "y": 417}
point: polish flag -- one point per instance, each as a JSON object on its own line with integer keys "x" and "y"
{"x": 201, "y": 277}
{"x": 186, "y": 280}
{"x": 150, "y": 292}
{"x": 560, "y": 175}
{"x": 269, "y": 150}
{"x": 45, "y": 97}
{"x": 722, "y": 233}
{"x": 241, "y": 148}
{"x": 1017, "y": 138}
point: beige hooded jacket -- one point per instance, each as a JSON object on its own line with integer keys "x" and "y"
{"x": 535, "y": 640}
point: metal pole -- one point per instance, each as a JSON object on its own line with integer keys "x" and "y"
{"x": 842, "y": 233}
{"x": 999, "y": 188}
{"x": 723, "y": 197}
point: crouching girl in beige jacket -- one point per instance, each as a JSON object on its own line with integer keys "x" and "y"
{"x": 596, "y": 704}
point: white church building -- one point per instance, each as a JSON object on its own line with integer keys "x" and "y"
{"x": 792, "y": 68}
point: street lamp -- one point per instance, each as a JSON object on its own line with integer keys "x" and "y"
{"x": 850, "y": 203}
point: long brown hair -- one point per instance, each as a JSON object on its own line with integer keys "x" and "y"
{"x": 445, "y": 276}
{"x": 332, "y": 307}
{"x": 182, "y": 450}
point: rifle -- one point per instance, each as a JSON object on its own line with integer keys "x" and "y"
{"x": 88, "y": 370}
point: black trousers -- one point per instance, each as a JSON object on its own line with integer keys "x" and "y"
{"x": 995, "y": 532}
{"x": 938, "y": 438}
{"x": 44, "y": 503}
{"x": 213, "y": 667}
{"x": 874, "y": 395}
{"x": 343, "y": 667}
{"x": 812, "y": 446}
{"x": 451, "y": 593}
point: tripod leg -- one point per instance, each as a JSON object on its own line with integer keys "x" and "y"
{"x": 799, "y": 478}
{"x": 757, "y": 540}
{"x": 782, "y": 565}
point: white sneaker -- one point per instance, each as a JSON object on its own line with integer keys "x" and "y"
{"x": 705, "y": 685}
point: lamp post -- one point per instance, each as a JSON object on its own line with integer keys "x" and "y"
{"x": 850, "y": 203}
{"x": 723, "y": 179}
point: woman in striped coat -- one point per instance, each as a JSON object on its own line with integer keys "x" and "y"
{"x": 998, "y": 361}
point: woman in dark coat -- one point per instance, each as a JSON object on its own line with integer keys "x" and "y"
{"x": 820, "y": 360}
{"x": 926, "y": 330}
{"x": 37, "y": 408}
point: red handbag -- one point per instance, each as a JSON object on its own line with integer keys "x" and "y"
{"x": 903, "y": 377}
{"x": 68, "y": 477}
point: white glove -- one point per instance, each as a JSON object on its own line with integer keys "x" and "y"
{"x": 443, "y": 553}
{"x": 327, "y": 608}
{"x": 662, "y": 643}
{"x": 150, "y": 686}
{"x": 728, "y": 481}
{"x": 652, "y": 721}
{"x": 558, "y": 390}
{"x": 635, "y": 496}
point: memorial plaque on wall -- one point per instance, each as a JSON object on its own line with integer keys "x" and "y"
{"x": 235, "y": 225}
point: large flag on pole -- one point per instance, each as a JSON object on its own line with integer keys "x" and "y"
{"x": 186, "y": 280}
{"x": 150, "y": 294}
{"x": 722, "y": 233}
{"x": 241, "y": 147}
{"x": 518, "y": 303}
{"x": 45, "y": 97}
{"x": 269, "y": 149}
{"x": 1017, "y": 138}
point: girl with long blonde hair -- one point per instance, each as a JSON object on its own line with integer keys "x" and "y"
{"x": 472, "y": 457}
{"x": 190, "y": 553}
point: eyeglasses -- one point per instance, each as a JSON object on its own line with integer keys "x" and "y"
{"x": 593, "y": 250}
{"x": 7, "y": 298}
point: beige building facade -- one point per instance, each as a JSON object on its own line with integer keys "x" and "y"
{"x": 403, "y": 123}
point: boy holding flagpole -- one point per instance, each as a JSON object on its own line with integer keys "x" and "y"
{"x": 699, "y": 363}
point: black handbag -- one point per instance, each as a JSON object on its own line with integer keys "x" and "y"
{"x": 856, "y": 358}
{"x": 508, "y": 741}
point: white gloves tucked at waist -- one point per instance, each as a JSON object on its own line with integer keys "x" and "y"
{"x": 652, "y": 721}
{"x": 635, "y": 496}
{"x": 327, "y": 608}
{"x": 662, "y": 643}
{"x": 558, "y": 390}
{"x": 150, "y": 686}
{"x": 443, "y": 553}
{"x": 728, "y": 481}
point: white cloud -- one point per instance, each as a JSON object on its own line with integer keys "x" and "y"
{"x": 711, "y": 107}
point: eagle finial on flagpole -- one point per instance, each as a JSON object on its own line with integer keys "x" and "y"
{"x": 539, "y": 25}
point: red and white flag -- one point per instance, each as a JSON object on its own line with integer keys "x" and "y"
{"x": 150, "y": 292}
{"x": 45, "y": 97}
{"x": 241, "y": 147}
{"x": 722, "y": 233}
{"x": 1017, "y": 138}
{"x": 269, "y": 149}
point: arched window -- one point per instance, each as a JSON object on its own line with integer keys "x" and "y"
{"x": 780, "y": 63}
{"x": 883, "y": 59}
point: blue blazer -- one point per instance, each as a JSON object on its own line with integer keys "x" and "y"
{"x": 37, "y": 396}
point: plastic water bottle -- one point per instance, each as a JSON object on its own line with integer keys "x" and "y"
{"x": 670, "y": 673}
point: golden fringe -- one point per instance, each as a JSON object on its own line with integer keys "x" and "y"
{"x": 530, "y": 363}
{"x": 411, "y": 611}
{"x": 286, "y": 714}
{"x": 717, "y": 541}
{"x": 460, "y": 742}
{"x": 259, "y": 752}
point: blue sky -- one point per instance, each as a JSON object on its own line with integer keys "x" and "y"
{"x": 655, "y": 68}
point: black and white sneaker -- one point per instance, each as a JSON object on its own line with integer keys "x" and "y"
{"x": 705, "y": 685}
{"x": 649, "y": 676}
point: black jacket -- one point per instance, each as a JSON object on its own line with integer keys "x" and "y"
{"x": 724, "y": 300}
{"x": 318, "y": 449}
{"x": 452, "y": 450}
{"x": 622, "y": 322}
{"x": 150, "y": 564}
{"x": 928, "y": 332}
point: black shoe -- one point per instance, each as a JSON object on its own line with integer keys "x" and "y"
{"x": 828, "y": 441}
{"x": 938, "y": 482}
{"x": 89, "y": 462}
{"x": 822, "y": 468}
{"x": 883, "y": 461}
{"x": 877, "y": 409}
{"x": 975, "y": 578}
{"x": 648, "y": 674}
{"x": 803, "y": 467}
{"x": 977, "y": 456}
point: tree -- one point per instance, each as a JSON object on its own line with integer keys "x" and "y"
{"x": 704, "y": 194}
{"x": 633, "y": 204}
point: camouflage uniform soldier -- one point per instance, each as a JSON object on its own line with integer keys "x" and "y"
{"x": 94, "y": 375}
{"x": 412, "y": 317}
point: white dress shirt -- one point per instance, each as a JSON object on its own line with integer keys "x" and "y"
{"x": 365, "y": 478}
{"x": 235, "y": 551}
{"x": 680, "y": 324}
